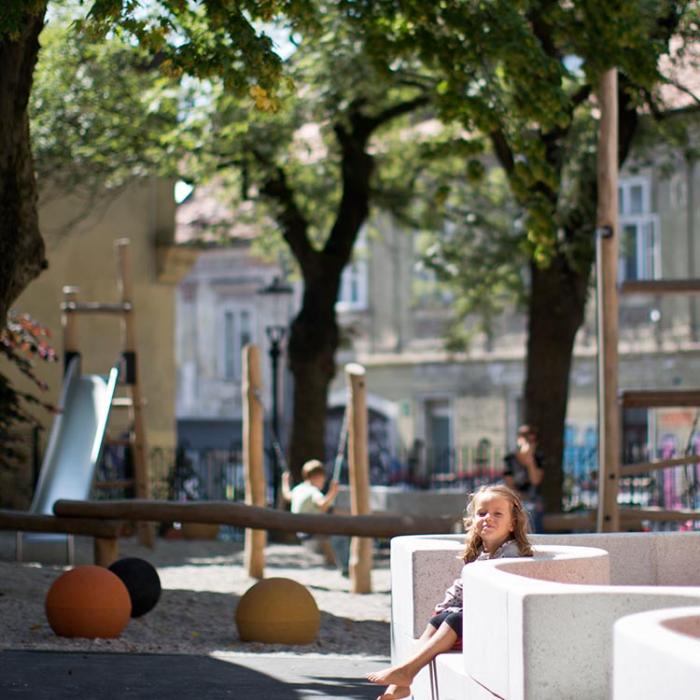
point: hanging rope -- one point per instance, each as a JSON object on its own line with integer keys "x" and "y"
{"x": 342, "y": 442}
{"x": 274, "y": 438}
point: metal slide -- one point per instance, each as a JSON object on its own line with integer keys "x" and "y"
{"x": 74, "y": 448}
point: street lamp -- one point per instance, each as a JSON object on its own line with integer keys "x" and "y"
{"x": 280, "y": 293}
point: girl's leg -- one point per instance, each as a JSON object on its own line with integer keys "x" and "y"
{"x": 402, "y": 675}
{"x": 395, "y": 692}
{"x": 428, "y": 632}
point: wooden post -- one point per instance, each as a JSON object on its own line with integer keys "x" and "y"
{"x": 70, "y": 327}
{"x": 105, "y": 550}
{"x": 253, "y": 417}
{"x": 360, "y": 548}
{"x": 142, "y": 485}
{"x": 607, "y": 246}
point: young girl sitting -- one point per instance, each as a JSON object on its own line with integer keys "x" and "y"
{"x": 496, "y": 526}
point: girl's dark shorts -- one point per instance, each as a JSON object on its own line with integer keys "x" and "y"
{"x": 453, "y": 619}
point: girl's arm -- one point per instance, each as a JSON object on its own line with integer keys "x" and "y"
{"x": 453, "y": 596}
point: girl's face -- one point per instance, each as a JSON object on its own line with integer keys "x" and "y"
{"x": 493, "y": 519}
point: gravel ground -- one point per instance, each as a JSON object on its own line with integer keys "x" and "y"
{"x": 202, "y": 582}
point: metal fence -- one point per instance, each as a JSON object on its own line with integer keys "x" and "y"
{"x": 187, "y": 474}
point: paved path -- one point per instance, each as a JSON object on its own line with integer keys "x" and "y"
{"x": 57, "y": 675}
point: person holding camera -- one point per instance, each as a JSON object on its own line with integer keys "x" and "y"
{"x": 524, "y": 471}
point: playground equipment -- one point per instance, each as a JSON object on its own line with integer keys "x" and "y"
{"x": 356, "y": 433}
{"x": 254, "y": 517}
{"x": 133, "y": 401}
{"x": 88, "y": 601}
{"x": 73, "y": 450}
{"x": 78, "y": 432}
{"x": 141, "y": 580}
{"x": 611, "y": 402}
{"x": 278, "y": 611}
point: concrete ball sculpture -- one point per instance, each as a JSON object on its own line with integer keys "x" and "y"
{"x": 278, "y": 611}
{"x": 141, "y": 580}
{"x": 88, "y": 601}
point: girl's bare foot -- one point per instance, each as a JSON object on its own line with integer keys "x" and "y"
{"x": 391, "y": 676}
{"x": 395, "y": 692}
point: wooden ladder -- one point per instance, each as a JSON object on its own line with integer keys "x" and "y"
{"x": 664, "y": 398}
{"x": 610, "y": 402}
{"x": 133, "y": 402}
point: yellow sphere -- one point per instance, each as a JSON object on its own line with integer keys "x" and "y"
{"x": 278, "y": 611}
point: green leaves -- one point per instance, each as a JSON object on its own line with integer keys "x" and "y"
{"x": 99, "y": 114}
{"x": 14, "y": 14}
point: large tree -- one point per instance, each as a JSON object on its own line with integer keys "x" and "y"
{"x": 524, "y": 76}
{"x": 21, "y": 245}
{"x": 310, "y": 166}
{"x": 306, "y": 159}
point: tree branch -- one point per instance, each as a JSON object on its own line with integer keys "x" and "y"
{"x": 396, "y": 110}
{"x": 290, "y": 218}
{"x": 503, "y": 151}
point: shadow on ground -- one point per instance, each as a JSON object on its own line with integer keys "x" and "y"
{"x": 46, "y": 675}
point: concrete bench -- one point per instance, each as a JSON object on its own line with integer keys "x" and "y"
{"x": 657, "y": 655}
{"x": 538, "y": 628}
{"x": 106, "y": 533}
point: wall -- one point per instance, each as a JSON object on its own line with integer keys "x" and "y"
{"x": 79, "y": 234}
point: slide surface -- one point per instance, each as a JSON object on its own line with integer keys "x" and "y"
{"x": 76, "y": 437}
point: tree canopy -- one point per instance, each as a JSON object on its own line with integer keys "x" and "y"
{"x": 524, "y": 76}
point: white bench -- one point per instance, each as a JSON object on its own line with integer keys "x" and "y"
{"x": 657, "y": 655}
{"x": 538, "y": 628}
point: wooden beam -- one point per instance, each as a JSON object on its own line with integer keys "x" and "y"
{"x": 34, "y": 522}
{"x": 658, "y": 514}
{"x": 253, "y": 463}
{"x": 358, "y": 462}
{"x": 241, "y": 515}
{"x": 95, "y": 307}
{"x": 561, "y": 522}
{"x": 105, "y": 550}
{"x": 607, "y": 245}
{"x": 139, "y": 449}
{"x": 682, "y": 286}
{"x": 646, "y": 467}
{"x": 665, "y": 398}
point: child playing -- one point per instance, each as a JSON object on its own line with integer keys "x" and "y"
{"x": 496, "y": 526}
{"x": 307, "y": 497}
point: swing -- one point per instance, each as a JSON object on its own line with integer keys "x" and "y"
{"x": 340, "y": 452}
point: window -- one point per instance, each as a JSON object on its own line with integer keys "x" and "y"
{"x": 237, "y": 333}
{"x": 639, "y": 232}
{"x": 352, "y": 294}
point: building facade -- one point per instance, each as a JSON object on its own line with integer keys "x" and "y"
{"x": 432, "y": 412}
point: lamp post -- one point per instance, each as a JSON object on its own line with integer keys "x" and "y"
{"x": 280, "y": 293}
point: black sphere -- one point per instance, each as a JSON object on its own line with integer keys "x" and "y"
{"x": 141, "y": 580}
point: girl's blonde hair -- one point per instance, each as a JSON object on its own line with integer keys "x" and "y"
{"x": 473, "y": 544}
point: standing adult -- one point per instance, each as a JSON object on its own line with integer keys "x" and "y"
{"x": 524, "y": 471}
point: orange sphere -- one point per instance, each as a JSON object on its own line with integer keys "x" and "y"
{"x": 88, "y": 601}
{"x": 278, "y": 611}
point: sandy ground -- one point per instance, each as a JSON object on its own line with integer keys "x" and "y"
{"x": 202, "y": 582}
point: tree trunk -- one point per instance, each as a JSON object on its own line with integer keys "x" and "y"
{"x": 556, "y": 311}
{"x": 311, "y": 355}
{"x": 21, "y": 245}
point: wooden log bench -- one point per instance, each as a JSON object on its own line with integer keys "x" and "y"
{"x": 105, "y": 532}
{"x": 256, "y": 517}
